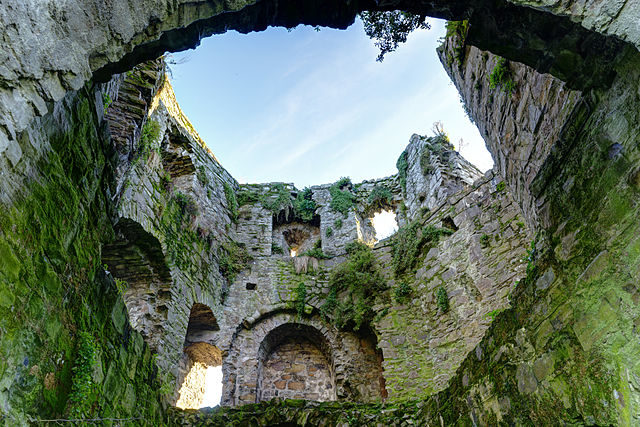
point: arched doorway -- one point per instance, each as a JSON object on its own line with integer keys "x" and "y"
{"x": 295, "y": 362}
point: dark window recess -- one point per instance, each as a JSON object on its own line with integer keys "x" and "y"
{"x": 448, "y": 223}
{"x": 251, "y": 286}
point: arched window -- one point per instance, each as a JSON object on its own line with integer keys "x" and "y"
{"x": 201, "y": 362}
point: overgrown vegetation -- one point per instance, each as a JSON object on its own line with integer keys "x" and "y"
{"x": 248, "y": 197}
{"x": 342, "y": 199}
{"x": 281, "y": 201}
{"x": 106, "y": 101}
{"x": 457, "y": 32}
{"x": 411, "y": 242}
{"x": 442, "y": 299}
{"x": 202, "y": 176}
{"x": 301, "y": 298}
{"x": 391, "y": 28}
{"x": 438, "y": 145}
{"x": 316, "y": 253}
{"x": 357, "y": 281}
{"x": 337, "y": 223}
{"x": 502, "y": 77}
{"x": 329, "y": 232}
{"x": 501, "y": 187}
{"x": 276, "y": 249}
{"x": 232, "y": 259}
{"x": 150, "y": 134}
{"x": 379, "y": 197}
{"x": 232, "y": 202}
{"x": 402, "y": 292}
{"x": 403, "y": 165}
{"x": 303, "y": 206}
{"x": 83, "y": 390}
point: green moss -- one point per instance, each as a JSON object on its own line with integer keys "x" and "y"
{"x": 342, "y": 199}
{"x": 329, "y": 232}
{"x": 83, "y": 389}
{"x": 300, "y": 298}
{"x": 150, "y": 134}
{"x": 337, "y": 223}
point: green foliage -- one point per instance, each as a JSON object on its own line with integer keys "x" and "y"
{"x": 484, "y": 240}
{"x": 389, "y": 29}
{"x": 337, "y": 223}
{"x": 276, "y": 249}
{"x": 411, "y": 242}
{"x": 150, "y": 134}
{"x": 402, "y": 292}
{"x": 303, "y": 206}
{"x": 202, "y": 176}
{"x": 342, "y": 199}
{"x": 232, "y": 202}
{"x": 106, "y": 101}
{"x": 359, "y": 282}
{"x": 316, "y": 253}
{"x": 188, "y": 208}
{"x": 438, "y": 145}
{"x": 121, "y": 285}
{"x": 329, "y": 232}
{"x": 301, "y": 298}
{"x": 83, "y": 390}
{"x": 232, "y": 259}
{"x": 457, "y": 32}
{"x": 492, "y": 314}
{"x": 502, "y": 77}
{"x": 281, "y": 201}
{"x": 442, "y": 299}
{"x": 248, "y": 197}
{"x": 379, "y": 197}
{"x": 501, "y": 187}
{"x": 402, "y": 166}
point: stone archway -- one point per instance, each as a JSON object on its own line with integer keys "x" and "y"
{"x": 295, "y": 361}
{"x": 349, "y": 358}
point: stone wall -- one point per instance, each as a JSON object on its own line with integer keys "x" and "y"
{"x": 68, "y": 349}
{"x": 297, "y": 369}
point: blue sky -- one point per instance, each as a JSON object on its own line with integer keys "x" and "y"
{"x": 308, "y": 106}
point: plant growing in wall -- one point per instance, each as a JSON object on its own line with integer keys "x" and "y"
{"x": 245, "y": 196}
{"x": 358, "y": 282}
{"x": 342, "y": 199}
{"x": 83, "y": 390}
{"x": 457, "y": 33}
{"x": 442, "y": 299}
{"x": 300, "y": 298}
{"x": 402, "y": 292}
{"x": 502, "y": 77}
{"x": 278, "y": 200}
{"x": 202, "y": 176}
{"x": 411, "y": 242}
{"x": 232, "y": 259}
{"x": 150, "y": 134}
{"x": 232, "y": 202}
{"x": 303, "y": 206}
{"x": 379, "y": 197}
